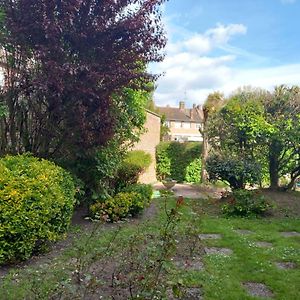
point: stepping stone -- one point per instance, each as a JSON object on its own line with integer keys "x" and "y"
{"x": 244, "y": 231}
{"x": 264, "y": 244}
{"x": 187, "y": 294}
{"x": 218, "y": 251}
{"x": 194, "y": 263}
{"x": 210, "y": 236}
{"x": 290, "y": 233}
{"x": 258, "y": 289}
{"x": 285, "y": 265}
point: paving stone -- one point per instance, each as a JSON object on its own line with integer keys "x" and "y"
{"x": 286, "y": 265}
{"x": 220, "y": 251}
{"x": 193, "y": 293}
{"x": 210, "y": 236}
{"x": 258, "y": 289}
{"x": 290, "y": 233}
{"x": 264, "y": 244}
{"x": 194, "y": 263}
{"x": 244, "y": 231}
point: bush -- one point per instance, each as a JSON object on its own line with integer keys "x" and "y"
{"x": 237, "y": 171}
{"x": 145, "y": 190}
{"x": 118, "y": 207}
{"x": 193, "y": 171}
{"x": 134, "y": 164}
{"x": 36, "y": 205}
{"x": 245, "y": 203}
{"x": 174, "y": 158}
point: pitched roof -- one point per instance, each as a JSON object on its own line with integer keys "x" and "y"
{"x": 184, "y": 115}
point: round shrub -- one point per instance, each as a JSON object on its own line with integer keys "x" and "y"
{"x": 135, "y": 163}
{"x": 36, "y": 205}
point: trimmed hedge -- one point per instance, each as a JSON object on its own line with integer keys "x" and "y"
{"x": 179, "y": 161}
{"x": 36, "y": 205}
{"x": 135, "y": 163}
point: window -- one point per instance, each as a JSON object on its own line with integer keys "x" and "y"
{"x": 177, "y": 124}
{"x": 198, "y": 125}
{"x": 185, "y": 125}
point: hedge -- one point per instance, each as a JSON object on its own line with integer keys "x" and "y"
{"x": 36, "y": 205}
{"x": 179, "y": 161}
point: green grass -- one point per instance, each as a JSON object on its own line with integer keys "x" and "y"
{"x": 222, "y": 277}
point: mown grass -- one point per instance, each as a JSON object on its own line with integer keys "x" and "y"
{"x": 222, "y": 277}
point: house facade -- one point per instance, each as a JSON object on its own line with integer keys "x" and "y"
{"x": 148, "y": 142}
{"x": 183, "y": 123}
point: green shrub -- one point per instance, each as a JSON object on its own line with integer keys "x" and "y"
{"x": 173, "y": 159}
{"x": 193, "y": 171}
{"x": 246, "y": 203}
{"x": 118, "y": 207}
{"x": 134, "y": 164}
{"x": 145, "y": 190}
{"x": 237, "y": 171}
{"x": 36, "y": 205}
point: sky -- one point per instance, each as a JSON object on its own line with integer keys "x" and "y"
{"x": 220, "y": 45}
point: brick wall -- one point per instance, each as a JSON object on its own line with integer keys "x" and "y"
{"x": 148, "y": 143}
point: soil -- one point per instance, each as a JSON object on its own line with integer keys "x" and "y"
{"x": 79, "y": 225}
{"x": 287, "y": 204}
{"x": 192, "y": 293}
{"x": 258, "y": 289}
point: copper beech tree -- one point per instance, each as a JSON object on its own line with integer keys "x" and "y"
{"x": 63, "y": 61}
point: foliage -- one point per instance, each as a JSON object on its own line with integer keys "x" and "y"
{"x": 117, "y": 208}
{"x": 99, "y": 168}
{"x": 246, "y": 203}
{"x": 128, "y": 255}
{"x": 262, "y": 125}
{"x": 237, "y": 171}
{"x": 71, "y": 62}
{"x": 36, "y": 205}
{"x": 173, "y": 158}
{"x": 134, "y": 164}
{"x": 145, "y": 190}
{"x": 193, "y": 171}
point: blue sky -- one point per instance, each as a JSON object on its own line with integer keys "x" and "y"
{"x": 224, "y": 44}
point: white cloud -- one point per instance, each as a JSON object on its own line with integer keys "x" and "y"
{"x": 187, "y": 67}
{"x": 191, "y": 71}
{"x": 288, "y": 1}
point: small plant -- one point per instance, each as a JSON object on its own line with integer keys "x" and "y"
{"x": 246, "y": 203}
{"x": 145, "y": 190}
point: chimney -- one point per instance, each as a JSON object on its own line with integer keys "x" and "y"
{"x": 194, "y": 106}
{"x": 181, "y": 105}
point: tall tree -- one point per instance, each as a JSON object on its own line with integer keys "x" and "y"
{"x": 212, "y": 104}
{"x": 65, "y": 63}
{"x": 283, "y": 112}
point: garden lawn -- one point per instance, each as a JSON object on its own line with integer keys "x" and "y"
{"x": 99, "y": 254}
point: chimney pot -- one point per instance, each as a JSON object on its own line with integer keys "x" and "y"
{"x": 181, "y": 105}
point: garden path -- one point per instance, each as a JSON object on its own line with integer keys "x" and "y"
{"x": 188, "y": 191}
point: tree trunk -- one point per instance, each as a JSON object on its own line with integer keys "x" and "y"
{"x": 274, "y": 165}
{"x": 205, "y": 147}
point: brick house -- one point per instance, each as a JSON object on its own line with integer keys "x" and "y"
{"x": 148, "y": 142}
{"x": 184, "y": 123}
